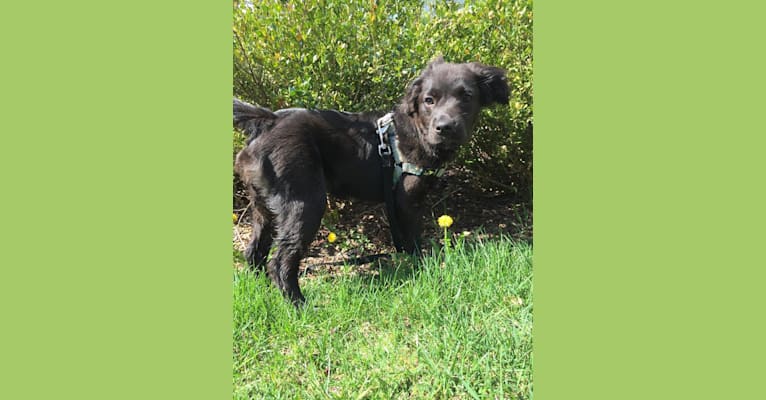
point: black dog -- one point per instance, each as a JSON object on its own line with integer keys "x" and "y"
{"x": 294, "y": 157}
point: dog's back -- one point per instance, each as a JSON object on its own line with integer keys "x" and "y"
{"x": 253, "y": 120}
{"x": 295, "y": 157}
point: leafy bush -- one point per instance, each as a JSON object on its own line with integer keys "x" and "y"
{"x": 358, "y": 55}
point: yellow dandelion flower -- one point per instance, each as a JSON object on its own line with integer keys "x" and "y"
{"x": 234, "y": 217}
{"x": 445, "y": 221}
{"x": 332, "y": 237}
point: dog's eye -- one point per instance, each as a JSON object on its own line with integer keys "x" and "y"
{"x": 429, "y": 100}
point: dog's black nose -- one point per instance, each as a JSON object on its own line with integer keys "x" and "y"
{"x": 444, "y": 127}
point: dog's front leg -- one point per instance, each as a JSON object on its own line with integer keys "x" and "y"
{"x": 410, "y": 220}
{"x": 410, "y": 223}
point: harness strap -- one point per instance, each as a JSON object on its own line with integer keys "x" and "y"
{"x": 387, "y": 166}
{"x": 401, "y": 166}
{"x": 394, "y": 167}
{"x": 388, "y": 195}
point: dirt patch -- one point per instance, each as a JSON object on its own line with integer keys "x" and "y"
{"x": 362, "y": 230}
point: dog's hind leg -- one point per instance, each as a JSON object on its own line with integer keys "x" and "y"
{"x": 263, "y": 234}
{"x": 297, "y": 225}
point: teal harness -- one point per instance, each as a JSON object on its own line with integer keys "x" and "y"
{"x": 388, "y": 146}
{"x": 393, "y": 167}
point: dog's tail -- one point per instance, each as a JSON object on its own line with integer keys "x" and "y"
{"x": 252, "y": 120}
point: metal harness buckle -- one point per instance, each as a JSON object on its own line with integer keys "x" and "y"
{"x": 383, "y": 123}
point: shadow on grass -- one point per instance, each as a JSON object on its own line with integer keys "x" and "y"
{"x": 381, "y": 268}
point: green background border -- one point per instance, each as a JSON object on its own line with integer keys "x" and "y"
{"x": 116, "y": 168}
{"x": 116, "y": 162}
{"x": 649, "y": 178}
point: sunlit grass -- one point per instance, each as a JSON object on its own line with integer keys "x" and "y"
{"x": 458, "y": 325}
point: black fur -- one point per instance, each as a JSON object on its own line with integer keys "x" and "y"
{"x": 294, "y": 157}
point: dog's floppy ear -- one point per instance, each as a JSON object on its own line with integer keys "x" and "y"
{"x": 411, "y": 97}
{"x": 493, "y": 85}
{"x": 413, "y": 91}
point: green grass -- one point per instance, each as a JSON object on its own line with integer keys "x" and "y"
{"x": 457, "y": 326}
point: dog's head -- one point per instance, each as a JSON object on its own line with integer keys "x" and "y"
{"x": 444, "y": 101}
